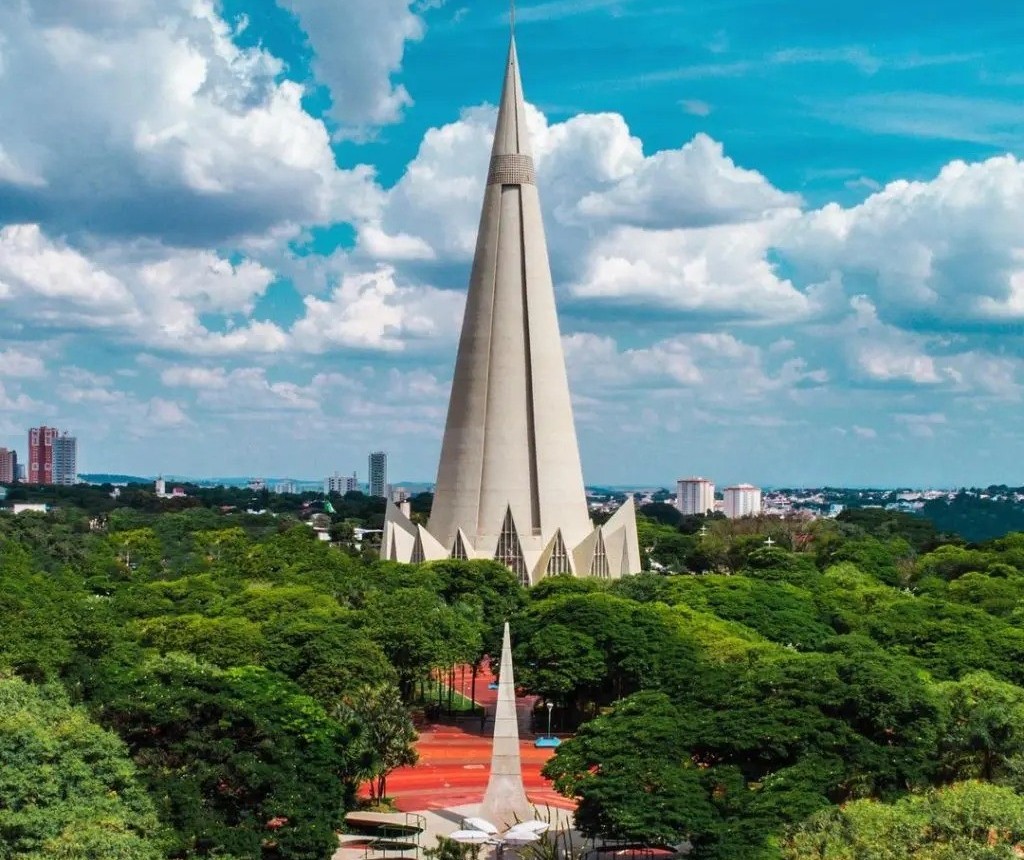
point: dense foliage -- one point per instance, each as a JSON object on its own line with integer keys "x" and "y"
{"x": 217, "y": 684}
{"x": 732, "y": 707}
{"x": 254, "y": 675}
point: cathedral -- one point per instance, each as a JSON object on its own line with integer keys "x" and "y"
{"x": 510, "y": 484}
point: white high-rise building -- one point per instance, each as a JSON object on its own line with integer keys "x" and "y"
{"x": 743, "y": 500}
{"x": 695, "y": 496}
{"x": 509, "y": 482}
{"x": 379, "y": 474}
{"x": 65, "y": 460}
{"x": 341, "y": 484}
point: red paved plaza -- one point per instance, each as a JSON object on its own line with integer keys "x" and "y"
{"x": 455, "y": 760}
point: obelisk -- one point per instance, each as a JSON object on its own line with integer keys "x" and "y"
{"x": 505, "y": 800}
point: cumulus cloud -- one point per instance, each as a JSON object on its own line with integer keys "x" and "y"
{"x": 151, "y": 295}
{"x": 694, "y": 186}
{"x": 157, "y": 124}
{"x": 947, "y": 252}
{"x": 16, "y": 363}
{"x": 359, "y": 46}
{"x": 374, "y": 311}
{"x": 718, "y": 365}
{"x": 683, "y": 228}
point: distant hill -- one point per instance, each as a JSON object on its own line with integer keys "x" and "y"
{"x": 103, "y": 478}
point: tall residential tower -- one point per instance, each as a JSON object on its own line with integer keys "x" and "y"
{"x": 695, "y": 496}
{"x": 743, "y": 500}
{"x": 509, "y": 484}
{"x": 379, "y": 474}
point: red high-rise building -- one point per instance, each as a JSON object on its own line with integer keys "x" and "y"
{"x": 40, "y": 455}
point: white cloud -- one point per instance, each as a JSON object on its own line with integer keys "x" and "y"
{"x": 157, "y": 124}
{"x": 694, "y": 186}
{"x": 359, "y": 46}
{"x": 166, "y": 413}
{"x": 715, "y": 366}
{"x": 14, "y": 363}
{"x": 18, "y": 401}
{"x": 924, "y": 425}
{"x": 195, "y": 377}
{"x": 949, "y": 251}
{"x": 877, "y": 352}
{"x": 721, "y": 270}
{"x": 144, "y": 293}
{"x": 373, "y": 311}
{"x": 696, "y": 107}
{"x": 684, "y": 228}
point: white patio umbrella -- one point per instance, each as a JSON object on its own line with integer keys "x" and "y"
{"x": 520, "y": 837}
{"x": 530, "y": 827}
{"x": 470, "y": 837}
{"x": 481, "y": 824}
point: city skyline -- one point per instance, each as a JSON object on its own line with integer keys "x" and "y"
{"x": 785, "y": 250}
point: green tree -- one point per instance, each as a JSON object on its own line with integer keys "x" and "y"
{"x": 971, "y": 820}
{"x": 982, "y": 734}
{"x": 634, "y": 776}
{"x": 240, "y": 760}
{"x": 67, "y": 787}
{"x": 387, "y": 735}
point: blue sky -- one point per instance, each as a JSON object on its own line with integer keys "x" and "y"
{"x": 787, "y": 237}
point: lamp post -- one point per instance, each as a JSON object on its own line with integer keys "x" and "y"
{"x": 551, "y": 706}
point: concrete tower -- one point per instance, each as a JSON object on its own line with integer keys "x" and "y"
{"x": 509, "y": 484}
{"x": 505, "y": 802}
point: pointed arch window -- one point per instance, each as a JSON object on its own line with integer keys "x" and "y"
{"x": 394, "y": 548}
{"x": 510, "y": 551}
{"x": 599, "y": 564}
{"x": 558, "y": 563}
{"x": 459, "y": 548}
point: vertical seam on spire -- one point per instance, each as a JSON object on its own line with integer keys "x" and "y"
{"x": 490, "y": 349}
{"x": 531, "y": 422}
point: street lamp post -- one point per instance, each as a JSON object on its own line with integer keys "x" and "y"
{"x": 551, "y": 706}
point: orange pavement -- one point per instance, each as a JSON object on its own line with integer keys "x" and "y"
{"x": 454, "y": 761}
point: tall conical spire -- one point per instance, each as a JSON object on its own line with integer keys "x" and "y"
{"x": 510, "y": 136}
{"x": 505, "y": 800}
{"x": 510, "y": 462}
{"x": 510, "y": 442}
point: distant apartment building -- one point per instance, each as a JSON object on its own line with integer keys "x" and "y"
{"x": 341, "y": 484}
{"x": 286, "y": 488}
{"x": 8, "y": 466}
{"x": 40, "y": 454}
{"x": 695, "y": 496}
{"x": 52, "y": 457}
{"x": 743, "y": 500}
{"x": 379, "y": 474}
{"x": 65, "y": 460}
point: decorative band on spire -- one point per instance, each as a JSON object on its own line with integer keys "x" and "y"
{"x": 511, "y": 169}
